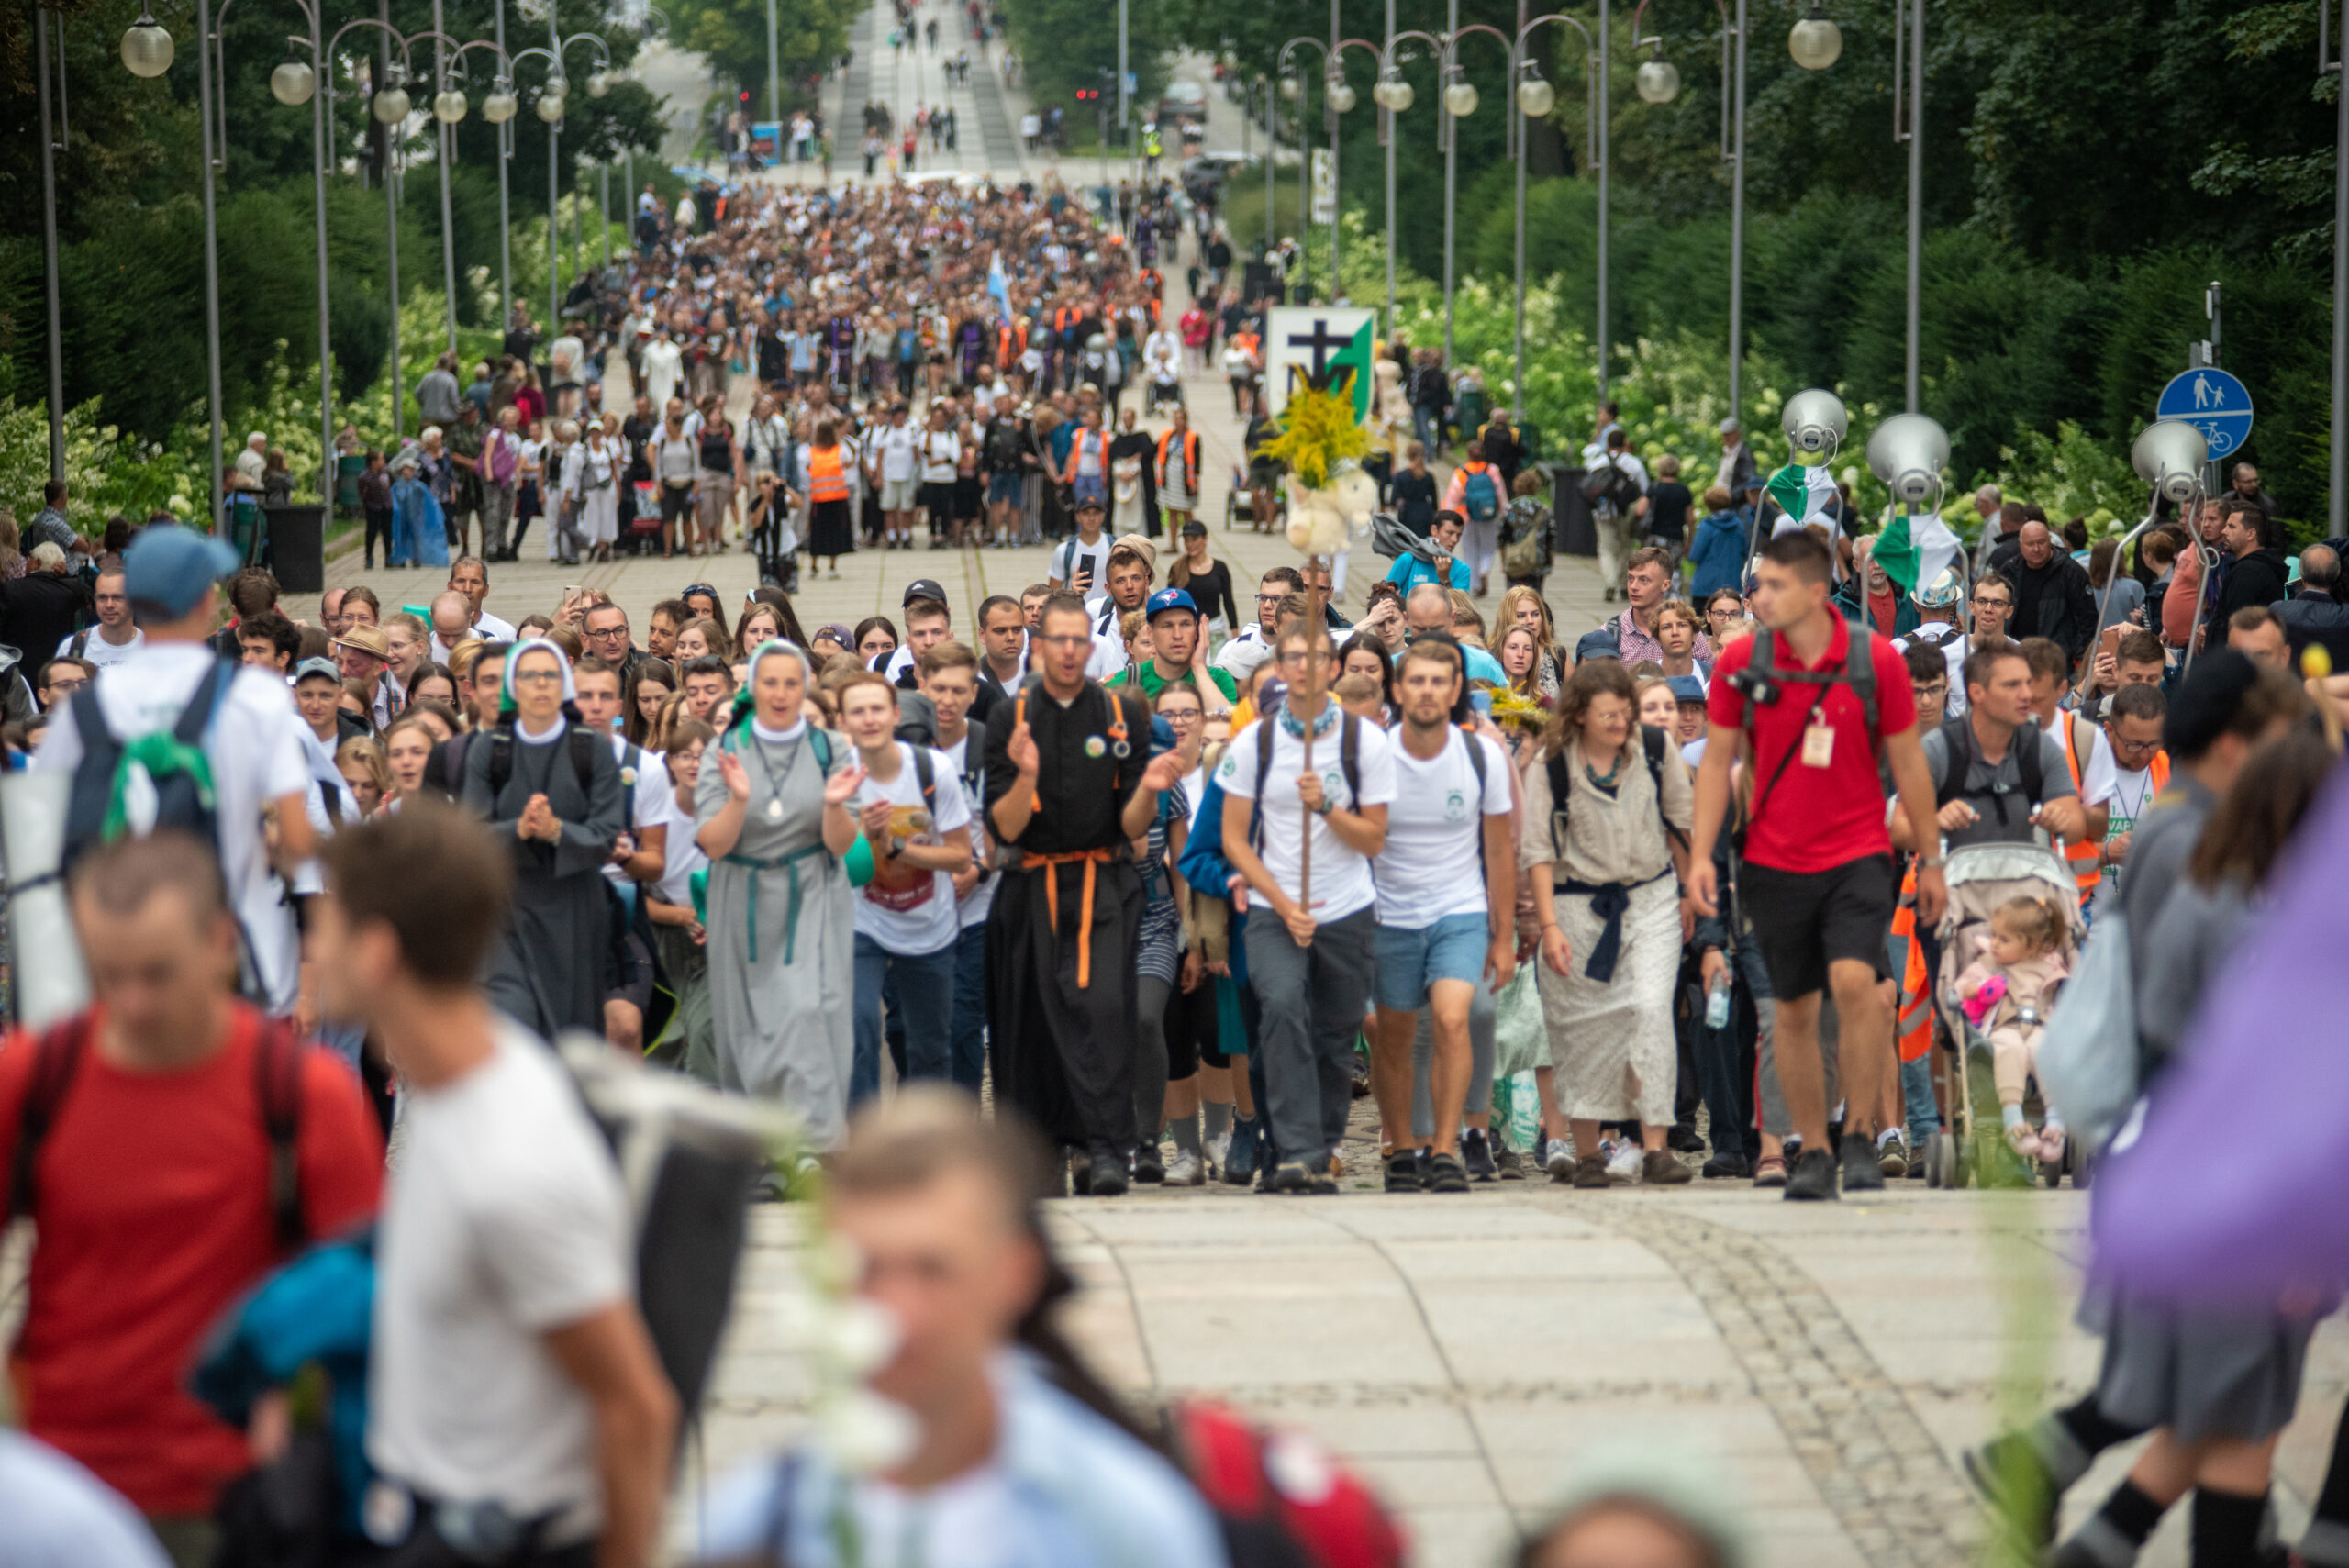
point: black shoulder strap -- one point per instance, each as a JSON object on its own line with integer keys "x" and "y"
{"x": 196, "y": 717}
{"x": 2029, "y": 763}
{"x": 1957, "y": 742}
{"x": 331, "y": 798}
{"x": 501, "y": 760}
{"x": 1476, "y": 761}
{"x": 98, "y": 741}
{"x": 277, "y": 1066}
{"x": 583, "y": 744}
{"x": 1350, "y": 759}
{"x": 1652, "y": 741}
{"x": 57, "y": 1057}
{"x": 1267, "y": 733}
{"x": 1859, "y": 673}
{"x": 80, "y": 641}
{"x": 926, "y": 773}
{"x": 1562, "y": 784}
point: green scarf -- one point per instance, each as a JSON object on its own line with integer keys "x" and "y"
{"x": 162, "y": 754}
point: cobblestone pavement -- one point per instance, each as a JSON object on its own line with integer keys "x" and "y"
{"x": 1826, "y": 1364}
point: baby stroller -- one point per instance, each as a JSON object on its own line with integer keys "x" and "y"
{"x": 1981, "y": 877}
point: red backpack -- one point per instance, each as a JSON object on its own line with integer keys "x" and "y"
{"x": 1283, "y": 1500}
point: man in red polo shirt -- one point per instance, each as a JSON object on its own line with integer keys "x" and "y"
{"x": 151, "y": 1187}
{"x": 1818, "y": 880}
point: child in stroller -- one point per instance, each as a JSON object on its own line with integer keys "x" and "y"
{"x": 2006, "y": 992}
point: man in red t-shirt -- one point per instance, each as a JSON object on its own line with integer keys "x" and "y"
{"x": 151, "y": 1188}
{"x": 1817, "y": 882}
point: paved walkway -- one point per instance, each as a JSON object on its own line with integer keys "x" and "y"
{"x": 1829, "y": 1363}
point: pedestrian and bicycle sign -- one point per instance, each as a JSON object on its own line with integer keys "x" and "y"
{"x": 1306, "y": 342}
{"x": 2212, "y": 402}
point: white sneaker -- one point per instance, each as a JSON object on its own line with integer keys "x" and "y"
{"x": 1184, "y": 1171}
{"x": 1622, "y": 1161}
{"x": 1218, "y": 1150}
{"x": 1558, "y": 1158}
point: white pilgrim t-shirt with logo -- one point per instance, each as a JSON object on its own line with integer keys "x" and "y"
{"x": 1433, "y": 865}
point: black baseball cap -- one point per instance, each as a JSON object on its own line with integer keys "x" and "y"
{"x": 924, "y": 588}
{"x": 1193, "y": 528}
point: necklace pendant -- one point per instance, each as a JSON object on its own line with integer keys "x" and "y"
{"x": 774, "y": 810}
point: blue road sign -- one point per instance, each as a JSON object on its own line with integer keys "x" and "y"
{"x": 2212, "y": 402}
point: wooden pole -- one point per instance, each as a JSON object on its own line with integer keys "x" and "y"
{"x": 1314, "y": 617}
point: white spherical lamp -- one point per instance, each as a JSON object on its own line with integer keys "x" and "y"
{"x": 391, "y": 106}
{"x": 292, "y": 82}
{"x": 449, "y": 106}
{"x": 1816, "y": 43}
{"x": 146, "y": 47}
{"x": 1536, "y": 98}
{"x": 1659, "y": 82}
{"x": 1460, "y": 98}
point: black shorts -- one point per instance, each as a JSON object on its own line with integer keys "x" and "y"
{"x": 1805, "y": 920}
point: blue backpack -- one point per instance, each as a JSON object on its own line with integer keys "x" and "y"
{"x": 1480, "y": 493}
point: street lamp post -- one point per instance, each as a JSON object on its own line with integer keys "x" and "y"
{"x": 51, "y": 142}
{"x": 2338, "y": 469}
{"x": 549, "y": 109}
{"x": 1337, "y": 98}
{"x": 1535, "y": 98}
{"x": 1905, "y": 130}
{"x": 1459, "y": 103}
{"x": 1815, "y": 43}
{"x": 1395, "y": 96}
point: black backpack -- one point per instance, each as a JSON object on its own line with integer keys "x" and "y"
{"x": 1349, "y": 764}
{"x": 1562, "y": 784}
{"x": 184, "y": 801}
{"x": 501, "y": 752}
{"x": 1611, "y": 483}
{"x": 1958, "y": 737}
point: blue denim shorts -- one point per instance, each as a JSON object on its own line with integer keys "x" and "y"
{"x": 1007, "y": 487}
{"x": 1410, "y": 960}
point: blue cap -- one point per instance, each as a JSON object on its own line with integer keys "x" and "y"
{"x": 1686, "y": 688}
{"x": 309, "y": 667}
{"x": 1599, "y": 643}
{"x": 170, "y": 567}
{"x": 1169, "y": 599}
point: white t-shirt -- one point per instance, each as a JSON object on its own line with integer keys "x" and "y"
{"x": 974, "y": 790}
{"x": 1954, "y": 646}
{"x": 98, "y": 651}
{"x": 1341, "y": 880}
{"x": 653, "y": 802}
{"x": 895, "y": 444}
{"x": 255, "y": 746}
{"x": 941, "y": 451}
{"x": 1435, "y": 849}
{"x": 504, "y": 1221}
{"x": 60, "y": 1515}
{"x": 905, "y": 909}
{"x": 685, "y": 856}
{"x": 1072, "y": 556}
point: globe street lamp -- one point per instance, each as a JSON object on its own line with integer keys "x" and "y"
{"x": 1395, "y": 96}
{"x": 1535, "y": 99}
{"x": 147, "y": 52}
{"x": 1460, "y": 100}
{"x": 551, "y": 106}
{"x": 1815, "y": 43}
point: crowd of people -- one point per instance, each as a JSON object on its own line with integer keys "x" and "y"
{"x": 1176, "y": 886}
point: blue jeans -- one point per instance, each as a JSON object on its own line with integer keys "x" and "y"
{"x": 970, "y": 1030}
{"x": 925, "y": 987}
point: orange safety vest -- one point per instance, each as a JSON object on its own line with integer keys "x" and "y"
{"x": 827, "y": 480}
{"x": 1913, "y": 1021}
{"x": 1190, "y": 459}
{"x": 1076, "y": 451}
{"x": 2087, "y": 869}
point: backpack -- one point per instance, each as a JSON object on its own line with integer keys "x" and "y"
{"x": 171, "y": 761}
{"x": 1612, "y": 484}
{"x": 692, "y": 1158}
{"x": 2088, "y": 1056}
{"x": 1651, "y": 744}
{"x": 1280, "y": 1499}
{"x": 1480, "y": 493}
{"x": 1349, "y": 763}
{"x": 277, "y": 1071}
{"x": 1957, "y": 736}
{"x": 1525, "y": 549}
{"x": 501, "y": 752}
{"x": 1762, "y": 670}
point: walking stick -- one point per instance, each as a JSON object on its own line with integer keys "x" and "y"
{"x": 1313, "y": 618}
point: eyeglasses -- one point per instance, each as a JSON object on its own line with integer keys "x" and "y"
{"x": 539, "y": 677}
{"x": 619, "y": 630}
{"x": 1986, "y": 600}
{"x": 1070, "y": 641}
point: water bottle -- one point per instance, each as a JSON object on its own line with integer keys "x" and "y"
{"x": 1717, "y": 1002}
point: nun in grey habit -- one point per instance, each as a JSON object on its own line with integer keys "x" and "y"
{"x": 771, "y": 813}
{"x": 547, "y": 785}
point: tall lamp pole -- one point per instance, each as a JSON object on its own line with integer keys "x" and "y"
{"x": 52, "y": 143}
{"x": 2338, "y": 469}
{"x": 1460, "y": 101}
{"x": 1905, "y": 129}
{"x": 1815, "y": 43}
{"x": 1535, "y": 99}
{"x": 1394, "y": 97}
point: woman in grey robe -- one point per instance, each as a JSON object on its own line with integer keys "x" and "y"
{"x": 558, "y": 800}
{"x": 772, "y": 815}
